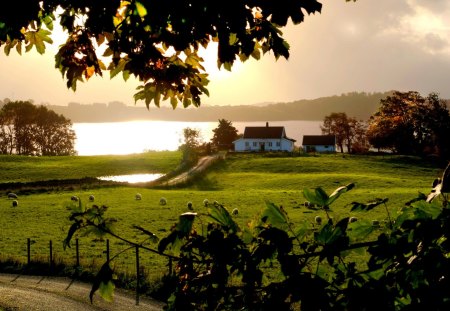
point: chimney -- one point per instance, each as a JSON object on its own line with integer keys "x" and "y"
{"x": 267, "y": 124}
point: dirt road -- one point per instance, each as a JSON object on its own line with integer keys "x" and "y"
{"x": 33, "y": 293}
{"x": 202, "y": 164}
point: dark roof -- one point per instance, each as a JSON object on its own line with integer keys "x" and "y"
{"x": 316, "y": 140}
{"x": 264, "y": 132}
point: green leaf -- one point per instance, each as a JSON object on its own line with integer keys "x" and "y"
{"x": 275, "y": 216}
{"x": 319, "y": 197}
{"x": 336, "y": 194}
{"x": 103, "y": 282}
{"x": 356, "y": 206}
{"x": 73, "y": 228}
{"x": 220, "y": 214}
{"x": 360, "y": 229}
{"x": 141, "y": 10}
{"x": 185, "y": 223}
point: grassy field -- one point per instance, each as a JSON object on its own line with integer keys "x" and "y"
{"x": 241, "y": 181}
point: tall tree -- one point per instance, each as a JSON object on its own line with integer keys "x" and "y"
{"x": 345, "y": 128}
{"x": 408, "y": 123}
{"x": 30, "y": 130}
{"x": 155, "y": 41}
{"x": 192, "y": 140}
{"x": 224, "y": 135}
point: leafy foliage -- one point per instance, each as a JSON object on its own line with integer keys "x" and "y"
{"x": 274, "y": 263}
{"x": 26, "y": 129}
{"x": 224, "y": 135}
{"x": 408, "y": 123}
{"x": 158, "y": 42}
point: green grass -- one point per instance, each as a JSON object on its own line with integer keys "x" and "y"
{"x": 242, "y": 181}
{"x": 31, "y": 169}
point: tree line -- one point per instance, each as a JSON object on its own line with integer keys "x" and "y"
{"x": 405, "y": 123}
{"x": 26, "y": 129}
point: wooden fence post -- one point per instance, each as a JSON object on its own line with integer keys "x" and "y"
{"x": 28, "y": 251}
{"x": 107, "y": 250}
{"x": 138, "y": 275}
{"x": 51, "y": 255}
{"x": 77, "y": 249}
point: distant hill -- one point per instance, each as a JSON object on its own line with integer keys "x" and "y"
{"x": 358, "y": 105}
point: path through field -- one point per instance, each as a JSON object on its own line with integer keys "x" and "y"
{"x": 35, "y": 293}
{"x": 201, "y": 165}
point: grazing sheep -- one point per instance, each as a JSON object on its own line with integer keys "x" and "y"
{"x": 205, "y": 202}
{"x": 15, "y": 203}
{"x": 318, "y": 220}
{"x": 74, "y": 198}
{"x": 352, "y": 219}
{"x": 12, "y": 195}
{"x": 189, "y": 206}
{"x": 138, "y": 196}
{"x": 235, "y": 211}
{"x": 162, "y": 201}
{"x": 375, "y": 223}
{"x": 91, "y": 198}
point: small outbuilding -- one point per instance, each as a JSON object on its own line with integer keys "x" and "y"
{"x": 264, "y": 138}
{"x": 319, "y": 143}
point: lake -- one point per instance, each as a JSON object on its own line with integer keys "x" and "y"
{"x": 139, "y": 136}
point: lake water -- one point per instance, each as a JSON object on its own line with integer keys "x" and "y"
{"x": 118, "y": 138}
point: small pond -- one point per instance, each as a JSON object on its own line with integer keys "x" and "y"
{"x": 134, "y": 178}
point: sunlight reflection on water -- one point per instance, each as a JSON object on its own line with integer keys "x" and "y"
{"x": 135, "y": 178}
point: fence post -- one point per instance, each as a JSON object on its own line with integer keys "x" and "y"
{"x": 107, "y": 250}
{"x": 28, "y": 251}
{"x": 77, "y": 249}
{"x": 138, "y": 276}
{"x": 51, "y": 255}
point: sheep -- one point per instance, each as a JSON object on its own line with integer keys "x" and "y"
{"x": 138, "y": 196}
{"x": 91, "y": 198}
{"x": 12, "y": 195}
{"x": 15, "y": 203}
{"x": 162, "y": 201}
{"x": 235, "y": 211}
{"x": 205, "y": 202}
{"x": 74, "y": 198}
{"x": 375, "y": 223}
{"x": 189, "y": 206}
{"x": 352, "y": 219}
{"x": 318, "y": 220}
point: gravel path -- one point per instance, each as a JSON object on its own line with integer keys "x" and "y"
{"x": 34, "y": 293}
{"x": 202, "y": 164}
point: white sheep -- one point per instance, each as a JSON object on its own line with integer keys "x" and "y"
{"x": 91, "y": 198}
{"x": 352, "y": 219}
{"x": 189, "y": 206}
{"x": 12, "y": 195}
{"x": 318, "y": 220}
{"x": 162, "y": 201}
{"x": 205, "y": 202}
{"x": 375, "y": 223}
{"x": 235, "y": 211}
{"x": 15, "y": 203}
{"x": 74, "y": 198}
{"x": 138, "y": 196}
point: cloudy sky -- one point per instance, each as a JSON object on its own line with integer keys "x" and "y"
{"x": 368, "y": 45}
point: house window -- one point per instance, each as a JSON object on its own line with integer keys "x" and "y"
{"x": 247, "y": 144}
{"x": 278, "y": 144}
{"x": 270, "y": 144}
{"x": 255, "y": 144}
{"x": 326, "y": 147}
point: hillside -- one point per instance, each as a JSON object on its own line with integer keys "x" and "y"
{"x": 359, "y": 105}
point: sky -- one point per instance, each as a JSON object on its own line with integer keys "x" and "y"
{"x": 363, "y": 46}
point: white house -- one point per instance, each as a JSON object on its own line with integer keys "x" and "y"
{"x": 319, "y": 143}
{"x": 264, "y": 138}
